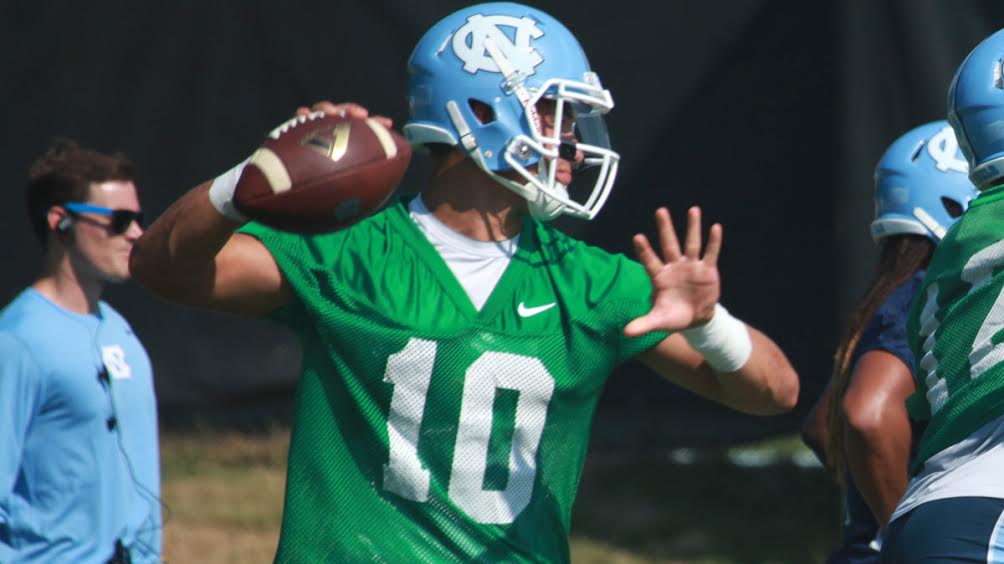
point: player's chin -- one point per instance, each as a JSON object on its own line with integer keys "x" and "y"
{"x": 118, "y": 272}
{"x": 118, "y": 278}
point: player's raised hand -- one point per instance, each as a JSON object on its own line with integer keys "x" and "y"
{"x": 685, "y": 285}
{"x": 350, "y": 109}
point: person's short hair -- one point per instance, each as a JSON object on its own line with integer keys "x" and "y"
{"x": 65, "y": 174}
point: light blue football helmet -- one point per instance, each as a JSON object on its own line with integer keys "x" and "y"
{"x": 976, "y": 110}
{"x": 921, "y": 184}
{"x": 508, "y": 57}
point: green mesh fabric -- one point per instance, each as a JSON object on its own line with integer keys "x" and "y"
{"x": 955, "y": 330}
{"x": 426, "y": 430}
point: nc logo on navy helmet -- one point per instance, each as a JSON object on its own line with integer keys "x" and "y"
{"x": 944, "y": 149}
{"x": 469, "y": 43}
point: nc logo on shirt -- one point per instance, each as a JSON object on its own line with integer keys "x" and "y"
{"x": 114, "y": 358}
{"x": 944, "y": 149}
{"x": 469, "y": 43}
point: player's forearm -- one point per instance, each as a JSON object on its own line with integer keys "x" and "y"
{"x": 753, "y": 374}
{"x": 878, "y": 453}
{"x": 766, "y": 385}
{"x": 877, "y": 431}
{"x": 176, "y": 255}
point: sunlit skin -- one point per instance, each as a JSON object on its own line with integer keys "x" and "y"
{"x": 79, "y": 264}
{"x": 546, "y": 110}
{"x": 192, "y": 255}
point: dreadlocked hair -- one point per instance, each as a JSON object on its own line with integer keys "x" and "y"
{"x": 900, "y": 257}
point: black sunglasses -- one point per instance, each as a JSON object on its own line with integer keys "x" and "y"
{"x": 121, "y": 219}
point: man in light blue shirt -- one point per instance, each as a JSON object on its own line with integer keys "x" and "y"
{"x": 79, "y": 461}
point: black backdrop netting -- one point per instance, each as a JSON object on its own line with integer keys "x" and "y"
{"x": 769, "y": 114}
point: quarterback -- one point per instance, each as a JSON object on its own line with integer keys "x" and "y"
{"x": 455, "y": 345}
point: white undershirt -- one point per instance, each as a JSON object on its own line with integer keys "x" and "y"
{"x": 971, "y": 467}
{"x": 478, "y": 265}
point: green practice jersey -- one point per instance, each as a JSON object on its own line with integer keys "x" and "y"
{"x": 955, "y": 330}
{"x": 428, "y": 431}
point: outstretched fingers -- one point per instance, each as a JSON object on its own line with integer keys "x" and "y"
{"x": 692, "y": 244}
{"x": 670, "y": 244}
{"x": 714, "y": 247}
{"x": 667, "y": 235}
{"x": 646, "y": 255}
{"x": 350, "y": 109}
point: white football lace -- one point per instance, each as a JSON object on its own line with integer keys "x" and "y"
{"x": 293, "y": 122}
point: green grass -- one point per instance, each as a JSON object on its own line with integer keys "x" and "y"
{"x": 223, "y": 494}
{"x": 224, "y": 497}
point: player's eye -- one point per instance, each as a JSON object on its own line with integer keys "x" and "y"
{"x": 547, "y": 109}
{"x": 120, "y": 219}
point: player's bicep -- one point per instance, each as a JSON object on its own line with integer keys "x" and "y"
{"x": 245, "y": 279}
{"x": 880, "y": 383}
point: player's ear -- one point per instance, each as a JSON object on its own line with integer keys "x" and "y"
{"x": 446, "y": 160}
{"x": 60, "y": 221}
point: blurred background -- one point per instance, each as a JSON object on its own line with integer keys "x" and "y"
{"x": 770, "y": 114}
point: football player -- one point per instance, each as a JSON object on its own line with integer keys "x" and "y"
{"x": 455, "y": 345}
{"x": 953, "y": 507}
{"x": 861, "y": 423}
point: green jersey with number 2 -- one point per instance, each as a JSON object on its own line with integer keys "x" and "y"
{"x": 426, "y": 430}
{"x": 955, "y": 330}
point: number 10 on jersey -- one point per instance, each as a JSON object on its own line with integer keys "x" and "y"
{"x": 410, "y": 372}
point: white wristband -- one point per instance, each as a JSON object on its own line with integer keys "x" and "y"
{"x": 724, "y": 342}
{"x": 221, "y": 193}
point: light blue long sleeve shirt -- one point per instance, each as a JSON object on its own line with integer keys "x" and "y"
{"x": 79, "y": 461}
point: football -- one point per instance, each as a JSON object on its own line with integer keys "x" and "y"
{"x": 319, "y": 173}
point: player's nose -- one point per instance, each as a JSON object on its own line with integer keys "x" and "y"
{"x": 135, "y": 230}
{"x": 569, "y": 151}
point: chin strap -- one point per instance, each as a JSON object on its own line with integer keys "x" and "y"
{"x": 930, "y": 223}
{"x": 546, "y": 208}
{"x": 541, "y": 206}
{"x": 467, "y": 139}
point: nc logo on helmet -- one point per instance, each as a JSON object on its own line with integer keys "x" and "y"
{"x": 944, "y": 149}
{"x": 469, "y": 43}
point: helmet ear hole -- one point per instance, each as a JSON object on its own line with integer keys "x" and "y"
{"x": 482, "y": 111}
{"x": 953, "y": 207}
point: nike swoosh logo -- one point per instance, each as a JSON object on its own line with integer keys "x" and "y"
{"x": 524, "y": 311}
